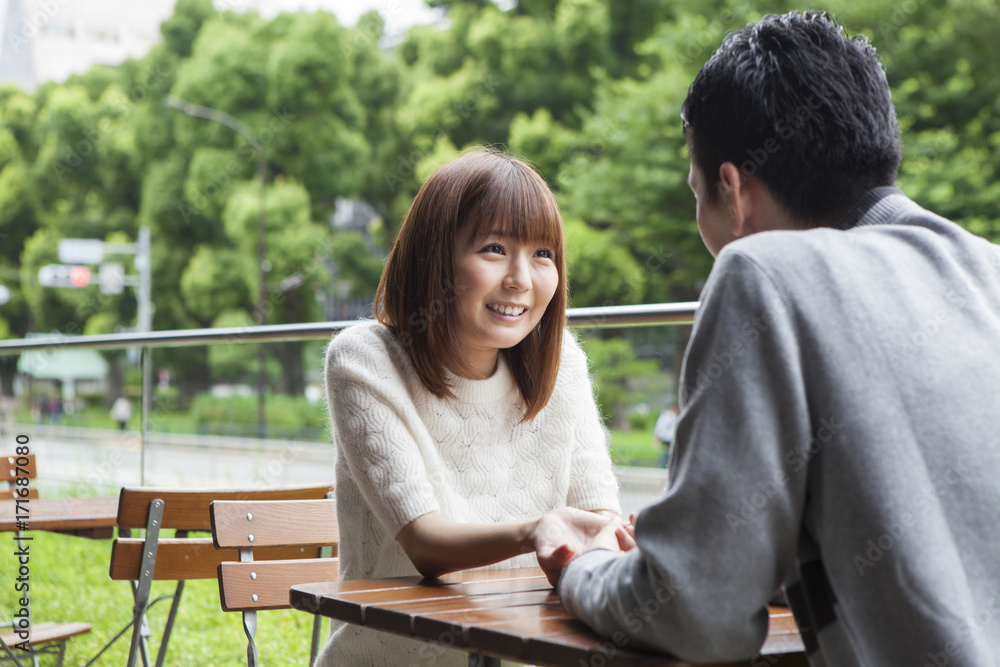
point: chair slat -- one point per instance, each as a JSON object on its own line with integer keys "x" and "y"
{"x": 271, "y": 524}
{"x": 185, "y": 509}
{"x": 42, "y": 633}
{"x": 184, "y": 559}
{"x": 271, "y": 582}
{"x": 13, "y": 466}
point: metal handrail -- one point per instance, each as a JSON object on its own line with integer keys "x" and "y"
{"x": 604, "y": 316}
{"x": 607, "y": 316}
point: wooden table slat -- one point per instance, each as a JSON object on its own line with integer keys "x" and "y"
{"x": 84, "y": 517}
{"x": 510, "y": 614}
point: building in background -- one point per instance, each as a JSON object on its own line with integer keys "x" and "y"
{"x": 49, "y": 40}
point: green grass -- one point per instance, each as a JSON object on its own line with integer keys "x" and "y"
{"x": 69, "y": 582}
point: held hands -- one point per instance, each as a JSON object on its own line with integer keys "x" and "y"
{"x": 564, "y": 533}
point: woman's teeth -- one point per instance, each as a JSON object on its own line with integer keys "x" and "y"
{"x": 506, "y": 310}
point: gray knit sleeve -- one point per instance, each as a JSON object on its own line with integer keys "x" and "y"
{"x": 713, "y": 550}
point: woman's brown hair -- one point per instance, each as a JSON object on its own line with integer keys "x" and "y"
{"x": 493, "y": 192}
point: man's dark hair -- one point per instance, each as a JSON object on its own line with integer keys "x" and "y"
{"x": 800, "y": 105}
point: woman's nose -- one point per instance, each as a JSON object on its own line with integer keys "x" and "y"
{"x": 518, "y": 273}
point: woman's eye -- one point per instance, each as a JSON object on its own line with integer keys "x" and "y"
{"x": 544, "y": 252}
{"x": 493, "y": 247}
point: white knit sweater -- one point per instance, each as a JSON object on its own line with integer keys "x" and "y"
{"x": 402, "y": 452}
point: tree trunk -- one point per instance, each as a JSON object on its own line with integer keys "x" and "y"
{"x": 289, "y": 355}
{"x": 116, "y": 375}
{"x": 196, "y": 379}
{"x": 8, "y": 370}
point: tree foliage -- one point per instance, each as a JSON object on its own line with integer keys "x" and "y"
{"x": 587, "y": 90}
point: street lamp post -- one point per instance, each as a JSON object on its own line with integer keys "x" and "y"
{"x": 248, "y": 134}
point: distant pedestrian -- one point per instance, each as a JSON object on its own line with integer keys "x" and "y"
{"x": 55, "y": 409}
{"x": 663, "y": 431}
{"x": 121, "y": 411}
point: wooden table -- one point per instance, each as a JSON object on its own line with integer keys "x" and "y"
{"x": 508, "y": 614}
{"x": 93, "y": 518}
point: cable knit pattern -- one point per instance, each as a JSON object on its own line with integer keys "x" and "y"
{"x": 402, "y": 452}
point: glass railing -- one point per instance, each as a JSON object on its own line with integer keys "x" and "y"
{"x": 162, "y": 445}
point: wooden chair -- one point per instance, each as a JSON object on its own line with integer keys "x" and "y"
{"x": 39, "y": 638}
{"x": 258, "y": 528}
{"x": 180, "y": 558}
{"x": 11, "y": 468}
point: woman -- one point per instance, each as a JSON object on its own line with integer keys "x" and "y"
{"x": 463, "y": 414}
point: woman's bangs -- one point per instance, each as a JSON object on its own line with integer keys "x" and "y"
{"x": 521, "y": 207}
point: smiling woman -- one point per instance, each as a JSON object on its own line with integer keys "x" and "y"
{"x": 464, "y": 416}
{"x": 460, "y": 245}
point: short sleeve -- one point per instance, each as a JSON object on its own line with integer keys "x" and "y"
{"x": 376, "y": 426}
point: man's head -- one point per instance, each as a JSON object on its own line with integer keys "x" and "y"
{"x": 793, "y": 102}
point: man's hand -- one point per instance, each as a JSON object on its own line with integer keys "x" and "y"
{"x": 567, "y": 532}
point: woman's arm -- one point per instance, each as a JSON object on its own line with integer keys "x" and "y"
{"x": 437, "y": 546}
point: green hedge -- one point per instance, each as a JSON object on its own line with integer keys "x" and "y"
{"x": 285, "y": 416}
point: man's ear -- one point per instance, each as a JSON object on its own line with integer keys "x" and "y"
{"x": 735, "y": 195}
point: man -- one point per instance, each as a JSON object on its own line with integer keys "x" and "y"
{"x": 840, "y": 392}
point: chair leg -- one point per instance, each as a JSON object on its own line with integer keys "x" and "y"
{"x": 314, "y": 645}
{"x": 174, "y": 604}
{"x": 250, "y": 628}
{"x": 10, "y": 653}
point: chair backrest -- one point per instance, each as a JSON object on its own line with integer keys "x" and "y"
{"x": 179, "y": 558}
{"x": 13, "y": 467}
{"x": 259, "y": 529}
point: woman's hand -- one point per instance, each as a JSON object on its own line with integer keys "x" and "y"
{"x": 567, "y": 532}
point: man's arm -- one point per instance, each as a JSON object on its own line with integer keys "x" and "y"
{"x": 716, "y": 546}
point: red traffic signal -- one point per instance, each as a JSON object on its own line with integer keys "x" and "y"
{"x": 64, "y": 275}
{"x": 79, "y": 276}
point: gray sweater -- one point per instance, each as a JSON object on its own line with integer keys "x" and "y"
{"x": 841, "y": 388}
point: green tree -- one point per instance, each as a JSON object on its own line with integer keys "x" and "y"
{"x": 615, "y": 366}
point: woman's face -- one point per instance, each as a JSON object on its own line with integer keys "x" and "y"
{"x": 504, "y": 287}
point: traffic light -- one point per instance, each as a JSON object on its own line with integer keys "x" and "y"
{"x": 64, "y": 275}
